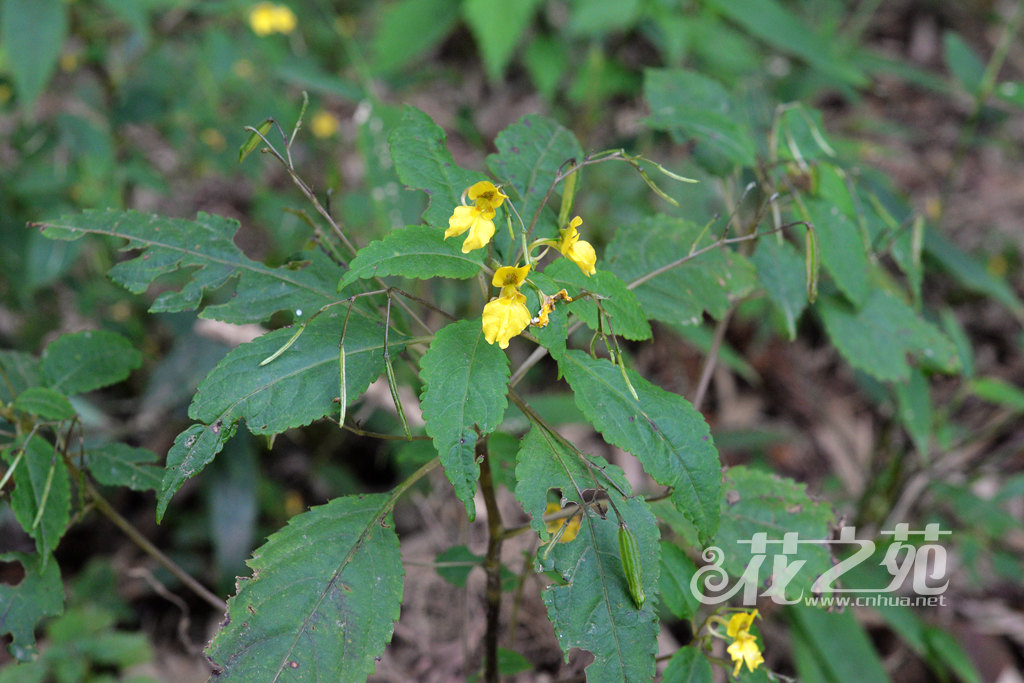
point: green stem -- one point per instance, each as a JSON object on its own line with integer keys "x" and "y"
{"x": 492, "y": 565}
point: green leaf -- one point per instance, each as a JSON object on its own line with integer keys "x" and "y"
{"x": 597, "y": 17}
{"x": 41, "y": 499}
{"x": 995, "y": 390}
{"x": 842, "y": 249}
{"x": 832, "y": 647}
{"x": 759, "y": 502}
{"x": 970, "y": 273}
{"x": 119, "y": 464}
{"x": 943, "y": 648}
{"x": 192, "y": 450}
{"x": 298, "y": 387}
{"x": 688, "y": 665}
{"x": 418, "y": 251}
{"x": 676, "y": 572}
{"x": 779, "y": 27}
{"x": 465, "y": 383}
{"x": 323, "y": 599}
{"x": 410, "y": 28}
{"x": 690, "y": 105}
{"x": 682, "y": 293}
{"x": 530, "y": 154}
{"x": 547, "y": 60}
{"x": 39, "y": 594}
{"x": 913, "y": 400}
{"x": 878, "y": 338}
{"x": 511, "y": 662}
{"x": 781, "y": 271}
{"x": 463, "y": 560}
{"x": 84, "y": 361}
{"x": 423, "y": 162}
{"x": 497, "y": 26}
{"x": 45, "y": 403}
{"x": 207, "y": 246}
{"x": 21, "y": 370}
{"x": 662, "y": 430}
{"x": 594, "y": 610}
{"x": 964, "y": 64}
{"x": 32, "y": 33}
{"x": 621, "y": 305}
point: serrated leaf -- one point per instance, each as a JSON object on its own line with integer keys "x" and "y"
{"x": 669, "y": 438}
{"x": 323, "y": 599}
{"x": 497, "y": 40}
{"x": 119, "y": 464}
{"x": 681, "y": 294}
{"x": 688, "y": 665}
{"x": 46, "y": 403}
{"x": 781, "y": 271}
{"x": 84, "y": 361}
{"x": 878, "y": 338}
{"x": 301, "y": 385}
{"x": 842, "y": 249}
{"x": 32, "y": 33}
{"x": 41, "y": 498}
{"x": 621, "y": 304}
{"x": 594, "y": 610}
{"x": 417, "y": 251}
{"x": 207, "y": 245}
{"x": 298, "y": 387}
{"x": 423, "y": 162}
{"x": 192, "y": 450}
{"x": 690, "y": 105}
{"x": 465, "y": 386}
{"x": 676, "y": 572}
{"x": 40, "y": 594}
{"x": 759, "y": 502}
{"x": 530, "y": 153}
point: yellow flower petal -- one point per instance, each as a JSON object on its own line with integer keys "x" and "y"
{"x": 485, "y": 195}
{"x": 504, "y": 318}
{"x": 510, "y": 276}
{"x": 479, "y": 224}
{"x": 571, "y": 524}
{"x": 323, "y": 124}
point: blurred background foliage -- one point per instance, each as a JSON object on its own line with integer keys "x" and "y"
{"x": 141, "y": 103}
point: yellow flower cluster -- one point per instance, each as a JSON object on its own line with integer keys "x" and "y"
{"x": 506, "y": 315}
{"x": 266, "y": 18}
{"x": 744, "y": 646}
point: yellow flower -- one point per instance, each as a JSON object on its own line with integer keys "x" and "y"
{"x": 744, "y": 647}
{"x": 572, "y": 524}
{"x": 510, "y": 276}
{"x": 323, "y": 124}
{"x": 266, "y": 18}
{"x": 573, "y": 248}
{"x": 505, "y": 317}
{"x": 478, "y": 219}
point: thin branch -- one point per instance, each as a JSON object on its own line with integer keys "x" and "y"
{"x": 712, "y": 358}
{"x": 492, "y": 565}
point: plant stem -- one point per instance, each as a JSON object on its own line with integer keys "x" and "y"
{"x": 167, "y": 563}
{"x": 492, "y": 565}
{"x": 712, "y": 358}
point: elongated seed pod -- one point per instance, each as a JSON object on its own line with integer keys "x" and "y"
{"x": 629, "y": 552}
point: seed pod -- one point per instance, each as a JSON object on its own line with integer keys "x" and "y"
{"x": 629, "y": 552}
